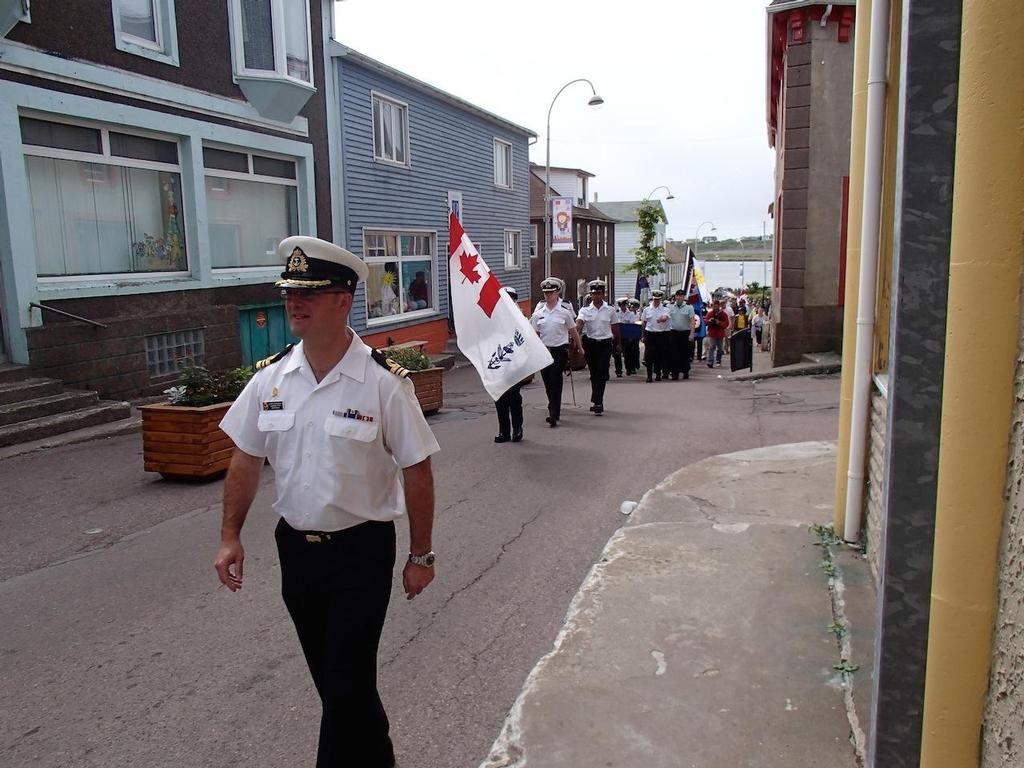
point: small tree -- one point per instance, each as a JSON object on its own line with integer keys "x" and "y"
{"x": 649, "y": 258}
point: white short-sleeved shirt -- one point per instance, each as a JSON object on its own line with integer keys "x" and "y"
{"x": 598, "y": 321}
{"x": 553, "y": 325}
{"x": 337, "y": 447}
{"x": 628, "y": 316}
{"x": 652, "y": 314}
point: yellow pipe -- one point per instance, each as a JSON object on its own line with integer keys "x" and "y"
{"x": 858, "y": 119}
{"x": 977, "y": 398}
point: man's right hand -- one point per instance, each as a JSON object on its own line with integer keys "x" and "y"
{"x": 229, "y": 564}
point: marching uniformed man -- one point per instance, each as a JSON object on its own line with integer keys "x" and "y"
{"x": 620, "y": 311}
{"x": 556, "y": 326}
{"x": 655, "y": 322}
{"x": 350, "y": 451}
{"x": 598, "y": 322}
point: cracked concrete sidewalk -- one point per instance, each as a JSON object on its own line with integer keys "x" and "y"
{"x": 701, "y": 637}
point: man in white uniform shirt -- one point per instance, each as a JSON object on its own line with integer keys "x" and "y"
{"x": 351, "y": 453}
{"x": 598, "y": 323}
{"x": 655, "y": 322}
{"x": 555, "y": 324}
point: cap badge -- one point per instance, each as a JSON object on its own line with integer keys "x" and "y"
{"x": 297, "y": 261}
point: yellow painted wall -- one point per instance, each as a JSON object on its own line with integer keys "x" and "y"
{"x": 988, "y": 209}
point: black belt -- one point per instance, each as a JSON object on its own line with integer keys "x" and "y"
{"x": 326, "y": 537}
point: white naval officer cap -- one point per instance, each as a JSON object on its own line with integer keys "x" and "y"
{"x": 314, "y": 263}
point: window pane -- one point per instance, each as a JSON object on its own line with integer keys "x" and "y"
{"x": 296, "y": 41}
{"x": 399, "y": 134}
{"x": 138, "y": 19}
{"x": 42, "y": 133}
{"x": 94, "y": 219}
{"x": 248, "y": 221}
{"x": 257, "y": 34}
{"x": 378, "y": 131}
{"x": 142, "y": 148}
{"x": 225, "y": 161}
{"x": 382, "y": 290}
{"x": 387, "y": 113}
{"x": 418, "y": 283}
{"x": 271, "y": 166}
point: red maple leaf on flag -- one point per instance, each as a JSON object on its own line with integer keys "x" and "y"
{"x": 467, "y": 266}
{"x": 489, "y": 294}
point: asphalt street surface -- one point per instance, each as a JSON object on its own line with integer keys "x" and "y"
{"x": 118, "y": 646}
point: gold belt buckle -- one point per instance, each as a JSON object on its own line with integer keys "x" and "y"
{"x": 313, "y": 538}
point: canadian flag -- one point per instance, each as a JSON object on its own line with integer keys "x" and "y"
{"x": 490, "y": 328}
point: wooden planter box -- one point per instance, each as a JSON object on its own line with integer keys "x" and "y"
{"x": 429, "y": 388}
{"x": 184, "y": 442}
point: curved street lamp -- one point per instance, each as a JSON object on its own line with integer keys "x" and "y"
{"x": 669, "y": 196}
{"x": 594, "y": 101}
{"x": 695, "y": 234}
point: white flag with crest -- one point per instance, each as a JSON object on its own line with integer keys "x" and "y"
{"x": 490, "y": 328}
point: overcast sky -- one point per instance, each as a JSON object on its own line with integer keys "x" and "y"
{"x": 683, "y": 83}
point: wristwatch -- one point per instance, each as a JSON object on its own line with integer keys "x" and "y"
{"x": 427, "y": 560}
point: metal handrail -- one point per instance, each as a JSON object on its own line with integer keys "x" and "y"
{"x": 66, "y": 314}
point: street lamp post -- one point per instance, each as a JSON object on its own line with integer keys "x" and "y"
{"x": 594, "y": 101}
{"x": 669, "y": 196}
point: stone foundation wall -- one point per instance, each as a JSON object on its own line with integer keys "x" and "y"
{"x": 1003, "y": 735}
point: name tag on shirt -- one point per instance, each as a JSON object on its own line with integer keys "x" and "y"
{"x": 273, "y": 405}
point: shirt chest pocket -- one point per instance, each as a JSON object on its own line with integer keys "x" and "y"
{"x": 275, "y": 421}
{"x": 351, "y": 442}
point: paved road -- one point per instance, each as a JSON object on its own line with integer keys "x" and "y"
{"x": 118, "y": 647}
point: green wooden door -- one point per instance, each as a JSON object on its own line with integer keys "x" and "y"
{"x": 263, "y": 330}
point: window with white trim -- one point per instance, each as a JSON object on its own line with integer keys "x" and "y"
{"x": 273, "y": 39}
{"x": 251, "y": 205}
{"x": 534, "y": 237}
{"x": 607, "y": 236}
{"x": 104, "y": 202}
{"x": 390, "y": 130}
{"x": 513, "y": 249}
{"x": 587, "y": 229}
{"x": 146, "y": 28}
{"x": 502, "y": 164}
{"x": 402, "y": 280}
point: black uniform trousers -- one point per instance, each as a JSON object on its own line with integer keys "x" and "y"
{"x": 617, "y": 357}
{"x": 510, "y": 411}
{"x": 631, "y": 351}
{"x": 655, "y": 351}
{"x": 553, "y": 376}
{"x": 599, "y": 354}
{"x": 337, "y": 591}
{"x": 679, "y": 353}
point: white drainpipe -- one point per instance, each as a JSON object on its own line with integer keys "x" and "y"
{"x": 869, "y": 238}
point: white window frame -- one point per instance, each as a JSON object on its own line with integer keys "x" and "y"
{"x": 165, "y": 49}
{"x": 534, "y": 241}
{"x": 607, "y": 231}
{"x": 403, "y": 107}
{"x": 251, "y": 175}
{"x": 401, "y": 317}
{"x": 280, "y": 71}
{"x": 513, "y": 249}
{"x": 455, "y": 204}
{"x": 505, "y": 148}
{"x": 105, "y": 158}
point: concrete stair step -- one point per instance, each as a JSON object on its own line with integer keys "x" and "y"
{"x": 11, "y": 372}
{"x": 103, "y": 412}
{"x": 28, "y": 389}
{"x": 48, "y": 405}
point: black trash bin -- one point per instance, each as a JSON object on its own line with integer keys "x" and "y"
{"x": 741, "y": 345}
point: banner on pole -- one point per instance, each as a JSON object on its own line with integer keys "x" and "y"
{"x": 561, "y": 224}
{"x": 490, "y": 328}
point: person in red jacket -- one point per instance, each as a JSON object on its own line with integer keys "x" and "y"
{"x": 718, "y": 325}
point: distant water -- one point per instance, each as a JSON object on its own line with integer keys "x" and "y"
{"x": 733, "y": 274}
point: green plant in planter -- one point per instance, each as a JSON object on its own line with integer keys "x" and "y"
{"x": 409, "y": 358}
{"x": 200, "y": 386}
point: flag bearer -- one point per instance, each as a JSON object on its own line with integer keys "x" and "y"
{"x": 510, "y": 404}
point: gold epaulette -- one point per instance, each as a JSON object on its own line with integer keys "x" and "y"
{"x": 261, "y": 364}
{"x": 391, "y": 365}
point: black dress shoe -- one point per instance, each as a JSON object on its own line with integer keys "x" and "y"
{"x": 686, "y": 375}
{"x": 593, "y": 408}
{"x": 551, "y": 421}
{"x": 517, "y": 437}
{"x": 598, "y": 409}
{"x": 501, "y": 438}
